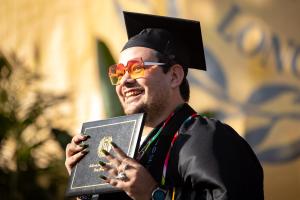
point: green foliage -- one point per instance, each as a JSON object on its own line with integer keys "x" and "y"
{"x": 111, "y": 102}
{"x": 25, "y": 132}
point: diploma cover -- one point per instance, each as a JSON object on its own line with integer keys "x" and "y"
{"x": 125, "y": 131}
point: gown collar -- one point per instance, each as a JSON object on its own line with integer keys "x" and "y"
{"x": 181, "y": 112}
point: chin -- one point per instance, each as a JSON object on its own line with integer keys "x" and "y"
{"x": 133, "y": 109}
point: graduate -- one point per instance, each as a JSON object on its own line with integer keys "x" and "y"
{"x": 182, "y": 155}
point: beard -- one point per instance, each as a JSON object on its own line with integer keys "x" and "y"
{"x": 129, "y": 110}
{"x": 153, "y": 106}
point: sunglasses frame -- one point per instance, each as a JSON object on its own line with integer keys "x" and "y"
{"x": 126, "y": 68}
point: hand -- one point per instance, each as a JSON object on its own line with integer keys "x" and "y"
{"x": 75, "y": 151}
{"x": 137, "y": 182}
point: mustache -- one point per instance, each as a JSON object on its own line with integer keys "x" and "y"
{"x": 134, "y": 85}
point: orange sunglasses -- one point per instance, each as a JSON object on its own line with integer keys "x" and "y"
{"x": 135, "y": 68}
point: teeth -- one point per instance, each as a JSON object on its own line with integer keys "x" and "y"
{"x": 132, "y": 93}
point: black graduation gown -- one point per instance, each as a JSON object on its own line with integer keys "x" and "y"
{"x": 209, "y": 161}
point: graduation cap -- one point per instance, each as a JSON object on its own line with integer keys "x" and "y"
{"x": 180, "y": 38}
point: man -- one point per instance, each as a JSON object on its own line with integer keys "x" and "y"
{"x": 184, "y": 156}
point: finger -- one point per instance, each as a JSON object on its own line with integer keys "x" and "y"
{"x": 104, "y": 165}
{"x": 72, "y": 148}
{"x": 77, "y": 139}
{"x": 73, "y": 160}
{"x": 113, "y": 182}
{"x": 112, "y": 160}
{"x": 104, "y": 178}
{"x": 131, "y": 162}
{"x": 110, "y": 180}
{"x": 119, "y": 153}
{"x": 124, "y": 167}
{"x": 116, "y": 182}
{"x": 112, "y": 171}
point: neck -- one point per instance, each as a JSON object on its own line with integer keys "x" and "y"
{"x": 153, "y": 121}
{"x": 147, "y": 130}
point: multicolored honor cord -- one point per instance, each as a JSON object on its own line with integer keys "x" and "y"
{"x": 166, "y": 162}
{"x": 163, "y": 178}
{"x": 146, "y": 147}
{"x": 174, "y": 191}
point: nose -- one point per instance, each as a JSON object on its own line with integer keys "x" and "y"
{"x": 126, "y": 79}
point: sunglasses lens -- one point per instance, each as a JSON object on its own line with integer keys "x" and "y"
{"x": 136, "y": 69}
{"x": 115, "y": 73}
{"x": 114, "y": 80}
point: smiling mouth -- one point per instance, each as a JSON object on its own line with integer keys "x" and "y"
{"x": 133, "y": 93}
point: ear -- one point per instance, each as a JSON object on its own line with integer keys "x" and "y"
{"x": 177, "y": 75}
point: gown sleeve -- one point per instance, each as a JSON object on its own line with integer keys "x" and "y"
{"x": 210, "y": 161}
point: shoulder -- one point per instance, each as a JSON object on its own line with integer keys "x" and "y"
{"x": 211, "y": 133}
{"x": 209, "y": 153}
{"x": 215, "y": 143}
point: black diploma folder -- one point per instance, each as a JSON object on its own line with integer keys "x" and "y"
{"x": 125, "y": 131}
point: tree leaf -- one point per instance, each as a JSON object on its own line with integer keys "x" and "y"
{"x": 110, "y": 99}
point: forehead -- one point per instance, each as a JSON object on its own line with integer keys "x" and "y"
{"x": 137, "y": 52}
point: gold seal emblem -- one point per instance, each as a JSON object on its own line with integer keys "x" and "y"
{"x": 104, "y": 144}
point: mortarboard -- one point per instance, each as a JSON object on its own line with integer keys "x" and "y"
{"x": 170, "y": 36}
